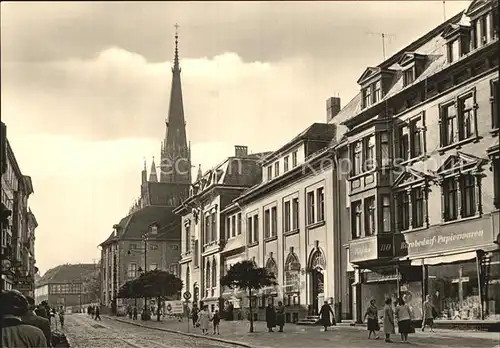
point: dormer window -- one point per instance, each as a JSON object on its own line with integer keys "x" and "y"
{"x": 154, "y": 229}
{"x": 458, "y": 41}
{"x": 269, "y": 172}
{"x": 377, "y": 91}
{"x": 484, "y": 23}
{"x": 408, "y": 76}
{"x": 367, "y": 96}
{"x": 413, "y": 65}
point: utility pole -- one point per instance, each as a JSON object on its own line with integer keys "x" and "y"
{"x": 383, "y": 36}
{"x": 145, "y": 236}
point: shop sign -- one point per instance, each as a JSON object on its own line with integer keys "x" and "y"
{"x": 371, "y": 248}
{"x": 174, "y": 307}
{"x": 447, "y": 238}
{"x": 373, "y": 277}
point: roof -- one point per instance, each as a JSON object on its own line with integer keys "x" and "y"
{"x": 66, "y": 273}
{"x": 429, "y": 45}
{"x": 316, "y": 131}
{"x": 133, "y": 226}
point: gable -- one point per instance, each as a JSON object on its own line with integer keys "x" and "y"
{"x": 477, "y": 5}
{"x": 409, "y": 57}
{"x": 368, "y": 73}
{"x": 459, "y": 163}
{"x": 409, "y": 177}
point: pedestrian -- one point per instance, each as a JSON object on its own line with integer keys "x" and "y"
{"x": 16, "y": 333}
{"x": 134, "y": 314}
{"x": 388, "y": 320}
{"x": 61, "y": 318}
{"x": 31, "y": 318}
{"x": 204, "y": 319}
{"x": 216, "y": 321}
{"x": 280, "y": 316}
{"x": 97, "y": 313}
{"x": 194, "y": 314}
{"x": 372, "y": 323}
{"x": 403, "y": 316}
{"x": 324, "y": 314}
{"x": 270, "y": 317}
{"x": 429, "y": 313}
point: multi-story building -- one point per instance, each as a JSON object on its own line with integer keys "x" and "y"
{"x": 18, "y": 269}
{"x": 421, "y": 188}
{"x": 63, "y": 286}
{"x": 203, "y": 236}
{"x": 149, "y": 236}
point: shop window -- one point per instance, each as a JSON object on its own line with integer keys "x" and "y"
{"x": 292, "y": 275}
{"x": 356, "y": 215}
{"x": 370, "y": 216}
{"x": 492, "y": 286}
{"x": 454, "y": 291}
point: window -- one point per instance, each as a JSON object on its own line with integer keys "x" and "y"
{"x": 188, "y": 238}
{"x": 320, "y": 196}
{"x": 233, "y": 226}
{"x": 367, "y": 97}
{"x": 495, "y": 115}
{"x": 466, "y": 117}
{"x": 267, "y": 223}
{"x": 256, "y": 228}
{"x": 228, "y": 227}
{"x": 214, "y": 274}
{"x": 403, "y": 210}
{"x": 450, "y": 199}
{"x": 276, "y": 168}
{"x": 132, "y": 270}
{"x": 196, "y": 255}
{"x": 294, "y": 159}
{"x": 377, "y": 91}
{"x": 153, "y": 266}
{"x": 370, "y": 153}
{"x": 448, "y": 124}
{"x": 133, "y": 246}
{"x": 357, "y": 158}
{"x": 285, "y": 164}
{"x": 274, "y": 222}
{"x": 287, "y": 216}
{"x": 310, "y": 208}
{"x": 370, "y": 216}
{"x": 496, "y": 183}
{"x": 408, "y": 77}
{"x": 417, "y": 204}
{"x": 356, "y": 219}
{"x": 238, "y": 225}
{"x": 453, "y": 50}
{"x": 269, "y": 172}
{"x": 416, "y": 137}
{"x": 249, "y": 230}
{"x": 208, "y": 278}
{"x": 403, "y": 140}
{"x": 468, "y": 191}
{"x": 295, "y": 214}
{"x": 154, "y": 229}
{"x": 384, "y": 149}
{"x": 386, "y": 213}
{"x": 214, "y": 227}
{"x": 207, "y": 233}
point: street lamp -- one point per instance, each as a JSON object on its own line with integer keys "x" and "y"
{"x": 145, "y": 252}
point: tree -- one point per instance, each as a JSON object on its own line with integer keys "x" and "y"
{"x": 246, "y": 276}
{"x": 157, "y": 284}
{"x": 92, "y": 285}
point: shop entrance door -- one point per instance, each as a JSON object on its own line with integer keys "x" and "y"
{"x": 317, "y": 289}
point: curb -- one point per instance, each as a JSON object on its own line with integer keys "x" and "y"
{"x": 236, "y": 343}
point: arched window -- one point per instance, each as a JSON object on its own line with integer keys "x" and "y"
{"x": 187, "y": 284}
{"x": 214, "y": 274}
{"x": 207, "y": 275}
{"x": 292, "y": 274}
{"x": 317, "y": 260}
{"x": 272, "y": 267}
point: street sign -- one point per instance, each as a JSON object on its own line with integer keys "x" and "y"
{"x": 24, "y": 287}
{"x": 187, "y": 295}
{"x": 174, "y": 307}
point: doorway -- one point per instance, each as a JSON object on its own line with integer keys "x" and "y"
{"x": 318, "y": 289}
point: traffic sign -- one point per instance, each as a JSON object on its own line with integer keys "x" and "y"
{"x": 187, "y": 295}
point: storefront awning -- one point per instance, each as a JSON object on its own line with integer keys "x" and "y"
{"x": 433, "y": 261}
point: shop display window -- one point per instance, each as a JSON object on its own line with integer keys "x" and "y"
{"x": 492, "y": 298}
{"x": 454, "y": 291}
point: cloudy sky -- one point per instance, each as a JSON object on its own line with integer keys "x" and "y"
{"x": 85, "y": 90}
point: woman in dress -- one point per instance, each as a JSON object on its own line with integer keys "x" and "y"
{"x": 324, "y": 314}
{"x": 204, "y": 319}
{"x": 388, "y": 320}
{"x": 372, "y": 314}
{"x": 403, "y": 316}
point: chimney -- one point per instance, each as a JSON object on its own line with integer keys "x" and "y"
{"x": 332, "y": 108}
{"x": 240, "y": 151}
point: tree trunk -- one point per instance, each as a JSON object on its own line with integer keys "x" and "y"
{"x": 250, "y": 307}
{"x": 158, "y": 309}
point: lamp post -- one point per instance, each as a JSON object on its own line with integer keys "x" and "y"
{"x": 145, "y": 251}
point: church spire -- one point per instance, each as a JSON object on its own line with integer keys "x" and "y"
{"x": 175, "y": 156}
{"x": 200, "y": 173}
{"x": 153, "y": 177}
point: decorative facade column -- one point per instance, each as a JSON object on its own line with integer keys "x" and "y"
{"x": 410, "y": 208}
{"x": 459, "y": 195}
{"x": 425, "y": 191}
{"x": 478, "y": 192}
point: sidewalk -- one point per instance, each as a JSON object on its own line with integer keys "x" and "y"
{"x": 313, "y": 336}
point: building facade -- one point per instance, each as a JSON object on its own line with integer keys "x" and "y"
{"x": 149, "y": 236}
{"x": 203, "y": 235}
{"x": 18, "y": 231}
{"x": 421, "y": 185}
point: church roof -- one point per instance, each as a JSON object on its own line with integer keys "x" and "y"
{"x": 66, "y": 273}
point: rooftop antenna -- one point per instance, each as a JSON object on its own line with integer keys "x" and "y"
{"x": 444, "y": 10}
{"x": 384, "y": 36}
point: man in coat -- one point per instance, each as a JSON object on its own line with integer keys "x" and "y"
{"x": 270, "y": 317}
{"x": 30, "y": 318}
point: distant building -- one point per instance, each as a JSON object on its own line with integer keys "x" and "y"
{"x": 62, "y": 286}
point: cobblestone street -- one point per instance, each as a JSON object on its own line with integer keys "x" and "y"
{"x": 339, "y": 336}
{"x": 83, "y": 332}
